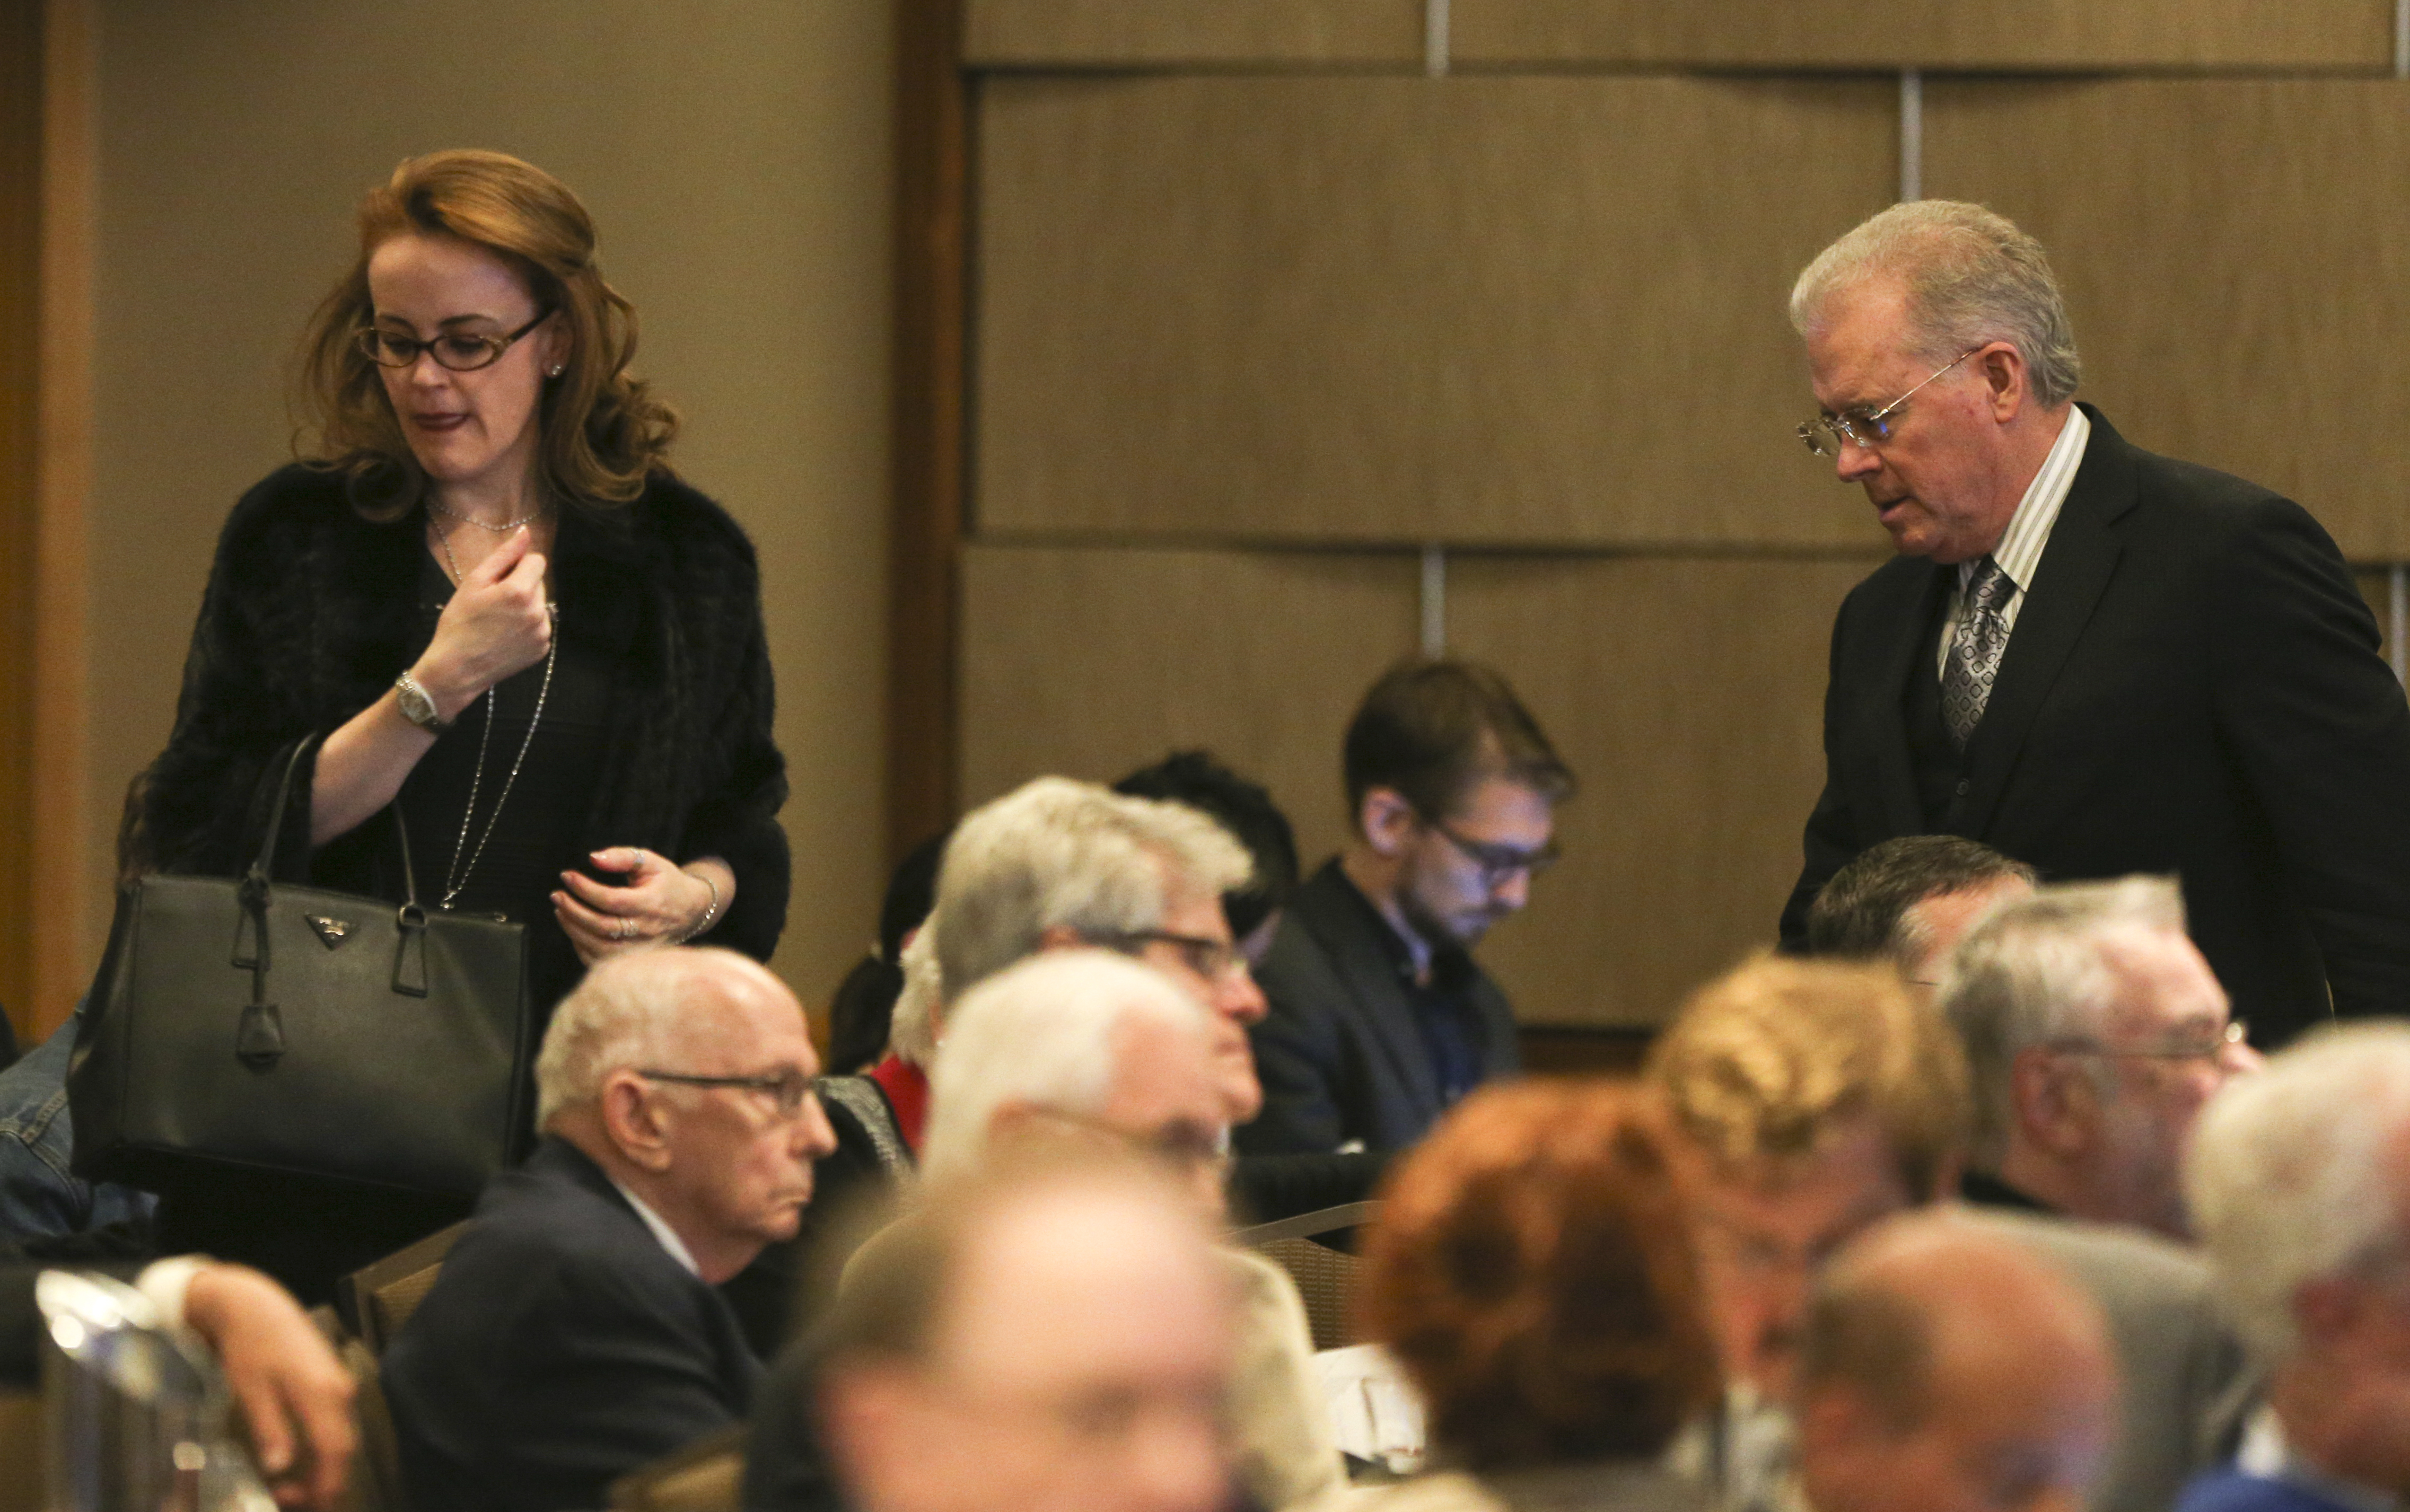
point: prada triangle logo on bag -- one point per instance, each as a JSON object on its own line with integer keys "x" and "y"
{"x": 331, "y": 932}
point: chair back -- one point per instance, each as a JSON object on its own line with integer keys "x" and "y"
{"x": 1325, "y": 1275}
{"x": 375, "y": 1483}
{"x": 381, "y": 1297}
{"x": 707, "y": 1475}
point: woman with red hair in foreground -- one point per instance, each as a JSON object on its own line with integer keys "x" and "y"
{"x": 1533, "y": 1273}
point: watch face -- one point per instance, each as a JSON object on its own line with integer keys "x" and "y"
{"x": 417, "y": 707}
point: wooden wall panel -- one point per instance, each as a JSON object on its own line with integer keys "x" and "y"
{"x": 1906, "y": 34}
{"x": 1525, "y": 310}
{"x": 21, "y": 249}
{"x": 1009, "y": 34}
{"x": 1091, "y": 662}
{"x": 1688, "y": 694}
{"x": 2234, "y": 261}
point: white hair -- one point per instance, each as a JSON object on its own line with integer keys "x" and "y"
{"x": 1972, "y": 277}
{"x": 1059, "y": 854}
{"x": 1041, "y": 1034}
{"x": 2039, "y": 969}
{"x": 912, "y": 1028}
{"x": 2292, "y": 1177}
{"x": 632, "y": 1010}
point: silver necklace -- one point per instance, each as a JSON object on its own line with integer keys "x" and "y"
{"x": 456, "y": 876}
{"x": 503, "y": 528}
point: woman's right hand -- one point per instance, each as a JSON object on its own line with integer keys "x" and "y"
{"x": 499, "y": 622}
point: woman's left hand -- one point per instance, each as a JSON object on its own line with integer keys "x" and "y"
{"x": 657, "y": 904}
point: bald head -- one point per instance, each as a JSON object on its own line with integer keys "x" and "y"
{"x": 1948, "y": 1367}
{"x": 1054, "y": 1341}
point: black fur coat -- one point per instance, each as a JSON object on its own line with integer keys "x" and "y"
{"x": 311, "y": 614}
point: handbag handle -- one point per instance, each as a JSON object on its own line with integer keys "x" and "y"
{"x": 259, "y": 1036}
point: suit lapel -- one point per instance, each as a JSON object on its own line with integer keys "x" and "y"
{"x": 1343, "y": 925}
{"x": 2074, "y": 571}
{"x": 1915, "y": 606}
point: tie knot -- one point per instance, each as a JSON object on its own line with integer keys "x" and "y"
{"x": 1989, "y": 586}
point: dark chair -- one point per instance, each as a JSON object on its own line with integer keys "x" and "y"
{"x": 1325, "y": 1276}
{"x": 380, "y": 1297}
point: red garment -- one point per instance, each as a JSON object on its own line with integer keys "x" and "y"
{"x": 907, "y": 1092}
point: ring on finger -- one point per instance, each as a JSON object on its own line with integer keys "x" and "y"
{"x": 621, "y": 931}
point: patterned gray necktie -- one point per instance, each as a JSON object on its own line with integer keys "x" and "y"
{"x": 1975, "y": 650}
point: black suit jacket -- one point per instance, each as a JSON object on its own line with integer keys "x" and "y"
{"x": 2193, "y": 687}
{"x": 1340, "y": 1054}
{"x": 561, "y": 1348}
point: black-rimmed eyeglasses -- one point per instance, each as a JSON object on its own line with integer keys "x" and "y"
{"x": 788, "y": 1089}
{"x": 1497, "y": 862}
{"x": 455, "y": 351}
{"x": 1212, "y": 959}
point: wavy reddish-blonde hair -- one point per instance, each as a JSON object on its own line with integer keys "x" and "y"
{"x": 1533, "y": 1271}
{"x": 600, "y": 432}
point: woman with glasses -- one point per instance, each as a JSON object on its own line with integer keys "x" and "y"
{"x": 487, "y": 594}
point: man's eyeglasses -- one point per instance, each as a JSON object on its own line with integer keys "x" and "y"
{"x": 787, "y": 1089}
{"x": 1862, "y": 427}
{"x": 2235, "y": 1032}
{"x": 1497, "y": 862}
{"x": 1212, "y": 959}
{"x": 455, "y": 351}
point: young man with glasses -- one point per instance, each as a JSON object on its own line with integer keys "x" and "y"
{"x": 576, "y": 1332}
{"x": 1379, "y": 1019}
{"x": 2095, "y": 659}
{"x": 2094, "y": 1035}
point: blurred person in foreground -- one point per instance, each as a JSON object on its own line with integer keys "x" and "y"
{"x": 292, "y": 1394}
{"x": 1910, "y": 899}
{"x": 2094, "y": 1034}
{"x": 1380, "y": 1020}
{"x": 1085, "y": 1042}
{"x": 1054, "y": 1334}
{"x": 1532, "y": 1272}
{"x": 2299, "y": 1182}
{"x": 1948, "y": 1368}
{"x": 576, "y": 1333}
{"x": 1813, "y": 1098}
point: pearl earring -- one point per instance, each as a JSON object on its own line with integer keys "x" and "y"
{"x": 556, "y": 371}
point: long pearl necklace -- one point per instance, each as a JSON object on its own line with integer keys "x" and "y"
{"x": 456, "y": 876}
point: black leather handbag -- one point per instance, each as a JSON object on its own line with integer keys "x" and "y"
{"x": 250, "y": 1025}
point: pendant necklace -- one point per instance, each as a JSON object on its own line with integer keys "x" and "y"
{"x": 456, "y": 876}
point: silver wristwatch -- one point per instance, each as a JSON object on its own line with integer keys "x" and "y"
{"x": 417, "y": 707}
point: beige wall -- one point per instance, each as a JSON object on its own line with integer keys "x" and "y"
{"x": 737, "y": 159}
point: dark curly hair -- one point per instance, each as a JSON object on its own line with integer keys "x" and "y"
{"x": 600, "y": 432}
{"x": 1533, "y": 1272}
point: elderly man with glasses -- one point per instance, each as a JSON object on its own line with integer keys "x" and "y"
{"x": 2094, "y": 1035}
{"x": 575, "y": 1333}
{"x": 2088, "y": 656}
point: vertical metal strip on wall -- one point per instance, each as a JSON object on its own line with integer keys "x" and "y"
{"x": 1434, "y": 600}
{"x": 2402, "y": 38}
{"x": 1911, "y": 133}
{"x": 1435, "y": 37}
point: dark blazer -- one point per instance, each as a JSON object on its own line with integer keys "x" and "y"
{"x": 2193, "y": 687}
{"x": 1340, "y": 1054}
{"x": 561, "y": 1347}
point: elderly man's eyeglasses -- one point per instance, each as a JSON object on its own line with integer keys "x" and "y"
{"x": 457, "y": 350}
{"x": 1497, "y": 862}
{"x": 787, "y": 1089}
{"x": 1867, "y": 428}
{"x": 2209, "y": 1047}
{"x": 1212, "y": 959}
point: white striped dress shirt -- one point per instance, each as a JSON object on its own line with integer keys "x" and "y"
{"x": 2021, "y": 545}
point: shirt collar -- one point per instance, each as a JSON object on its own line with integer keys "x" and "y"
{"x": 2265, "y": 1453}
{"x": 2021, "y": 544}
{"x": 661, "y": 1230}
